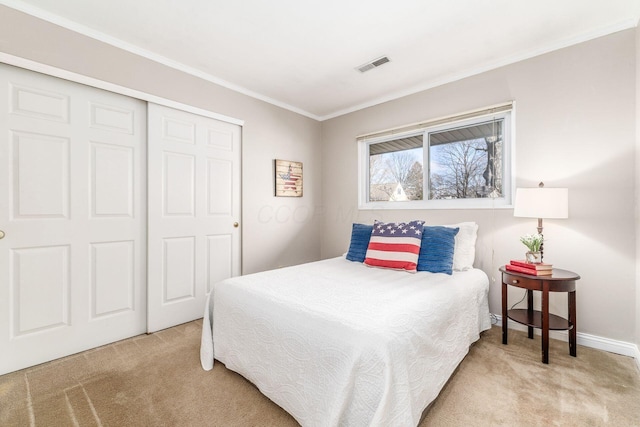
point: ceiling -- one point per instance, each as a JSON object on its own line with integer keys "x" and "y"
{"x": 302, "y": 54}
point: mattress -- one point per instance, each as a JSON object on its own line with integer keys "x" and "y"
{"x": 337, "y": 343}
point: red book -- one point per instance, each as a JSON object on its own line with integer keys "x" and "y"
{"x": 525, "y": 264}
{"x": 530, "y": 271}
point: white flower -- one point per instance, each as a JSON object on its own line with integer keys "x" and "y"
{"x": 532, "y": 241}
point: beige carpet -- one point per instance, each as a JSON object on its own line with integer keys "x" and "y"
{"x": 156, "y": 380}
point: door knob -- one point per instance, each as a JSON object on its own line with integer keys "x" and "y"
{"x": 2, "y": 234}
{"x": 235, "y": 224}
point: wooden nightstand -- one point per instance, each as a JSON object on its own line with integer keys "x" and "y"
{"x": 559, "y": 281}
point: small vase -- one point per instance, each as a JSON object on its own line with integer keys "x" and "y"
{"x": 533, "y": 257}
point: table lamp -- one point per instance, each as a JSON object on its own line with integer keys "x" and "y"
{"x": 541, "y": 203}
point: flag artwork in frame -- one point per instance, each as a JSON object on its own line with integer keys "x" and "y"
{"x": 288, "y": 178}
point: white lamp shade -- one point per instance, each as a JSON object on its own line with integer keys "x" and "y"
{"x": 542, "y": 202}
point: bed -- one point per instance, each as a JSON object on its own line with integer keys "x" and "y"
{"x": 339, "y": 343}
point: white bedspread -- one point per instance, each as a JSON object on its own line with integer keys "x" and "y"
{"x": 337, "y": 343}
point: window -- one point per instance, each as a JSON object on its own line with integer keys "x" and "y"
{"x": 450, "y": 164}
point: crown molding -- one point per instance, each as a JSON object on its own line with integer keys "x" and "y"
{"x": 136, "y": 50}
{"x": 121, "y": 44}
{"x": 570, "y": 41}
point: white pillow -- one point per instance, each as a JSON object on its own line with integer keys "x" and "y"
{"x": 464, "y": 253}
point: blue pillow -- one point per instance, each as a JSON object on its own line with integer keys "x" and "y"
{"x": 360, "y": 235}
{"x": 436, "y": 251}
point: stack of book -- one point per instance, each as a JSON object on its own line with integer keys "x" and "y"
{"x": 521, "y": 266}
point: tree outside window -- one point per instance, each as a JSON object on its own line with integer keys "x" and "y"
{"x": 466, "y": 163}
{"x": 396, "y": 172}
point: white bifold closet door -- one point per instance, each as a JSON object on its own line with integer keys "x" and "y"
{"x": 73, "y": 213}
{"x": 194, "y": 212}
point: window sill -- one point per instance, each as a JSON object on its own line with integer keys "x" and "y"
{"x": 439, "y": 204}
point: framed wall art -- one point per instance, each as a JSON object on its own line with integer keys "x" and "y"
{"x": 288, "y": 178}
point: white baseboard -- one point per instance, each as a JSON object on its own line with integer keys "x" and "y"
{"x": 592, "y": 341}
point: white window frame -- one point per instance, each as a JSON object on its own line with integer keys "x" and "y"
{"x": 508, "y": 182}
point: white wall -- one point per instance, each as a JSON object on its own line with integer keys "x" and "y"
{"x": 276, "y": 231}
{"x": 575, "y": 128}
{"x": 637, "y": 183}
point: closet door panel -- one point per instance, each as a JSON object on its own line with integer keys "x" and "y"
{"x": 194, "y": 212}
{"x": 72, "y": 206}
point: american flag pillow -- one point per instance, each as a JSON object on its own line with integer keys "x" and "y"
{"x": 395, "y": 245}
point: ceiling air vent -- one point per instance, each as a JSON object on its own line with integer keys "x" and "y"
{"x": 373, "y": 64}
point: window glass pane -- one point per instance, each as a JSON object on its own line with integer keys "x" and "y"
{"x": 395, "y": 170}
{"x": 466, "y": 162}
{"x": 462, "y": 164}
